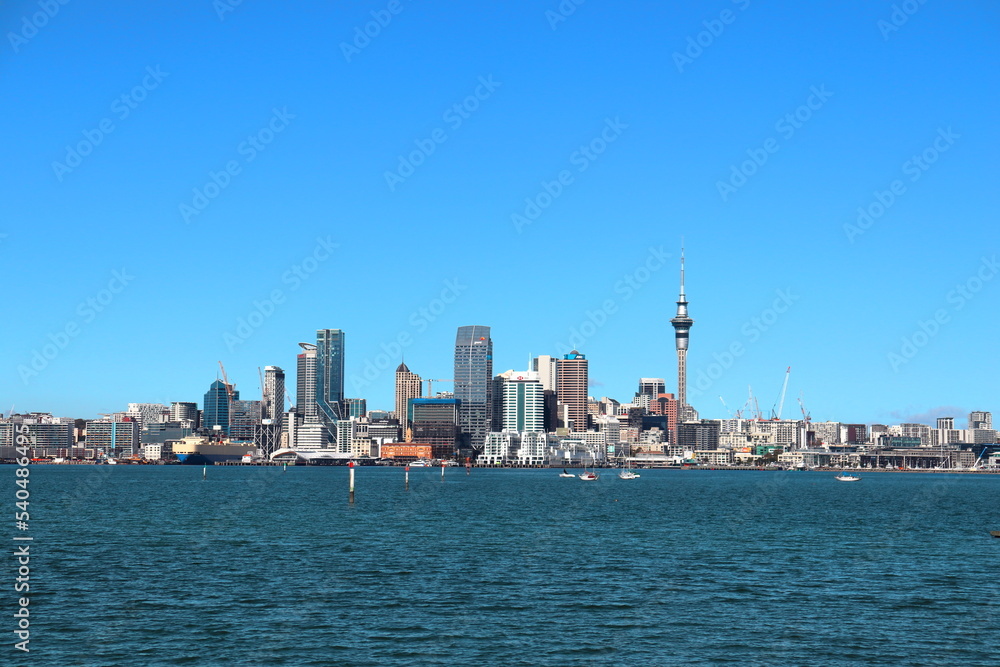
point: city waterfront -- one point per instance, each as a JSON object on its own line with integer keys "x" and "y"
{"x": 259, "y": 565}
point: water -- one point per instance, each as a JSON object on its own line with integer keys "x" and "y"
{"x": 255, "y": 566}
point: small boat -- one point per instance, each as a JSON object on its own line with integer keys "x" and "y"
{"x": 566, "y": 474}
{"x": 995, "y": 533}
{"x": 844, "y": 477}
{"x": 419, "y": 463}
{"x": 589, "y": 476}
{"x": 628, "y": 474}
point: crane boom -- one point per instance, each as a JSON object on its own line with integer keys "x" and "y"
{"x": 784, "y": 388}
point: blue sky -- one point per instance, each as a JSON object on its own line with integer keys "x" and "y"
{"x": 288, "y": 135}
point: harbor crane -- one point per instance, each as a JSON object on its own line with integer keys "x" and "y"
{"x": 806, "y": 417}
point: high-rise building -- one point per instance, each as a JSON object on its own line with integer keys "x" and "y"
{"x": 273, "y": 394}
{"x": 682, "y": 327}
{"x": 981, "y": 420}
{"x": 112, "y": 437}
{"x": 330, "y": 378}
{"x": 652, "y": 387}
{"x": 148, "y": 413}
{"x": 546, "y": 367}
{"x": 435, "y": 422}
{"x": 215, "y": 416}
{"x": 523, "y": 403}
{"x": 407, "y": 387}
{"x": 244, "y": 420}
{"x": 355, "y": 407}
{"x": 946, "y": 423}
{"x": 571, "y": 390}
{"x": 473, "y": 383}
{"x": 185, "y": 413}
{"x": 305, "y": 383}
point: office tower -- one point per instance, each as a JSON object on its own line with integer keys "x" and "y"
{"x": 215, "y": 415}
{"x": 473, "y": 383}
{"x": 407, "y": 387}
{"x": 571, "y": 391}
{"x": 523, "y": 403}
{"x": 946, "y": 423}
{"x": 305, "y": 383}
{"x": 355, "y": 407}
{"x": 703, "y": 435}
{"x": 682, "y": 326}
{"x": 330, "y": 378}
{"x": 435, "y": 422}
{"x": 857, "y": 434}
{"x": 981, "y": 420}
{"x": 652, "y": 387}
{"x": 273, "y": 394}
{"x": 546, "y": 367}
{"x": 184, "y": 412}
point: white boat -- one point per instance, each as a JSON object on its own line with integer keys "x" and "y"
{"x": 566, "y": 474}
{"x": 628, "y": 474}
{"x": 420, "y": 463}
{"x": 844, "y": 477}
{"x": 589, "y": 476}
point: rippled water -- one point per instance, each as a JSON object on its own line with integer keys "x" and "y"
{"x": 256, "y": 566}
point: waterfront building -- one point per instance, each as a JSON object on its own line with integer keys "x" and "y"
{"x": 305, "y": 383}
{"x": 473, "y": 383}
{"x": 571, "y": 391}
{"x": 827, "y": 433}
{"x": 406, "y": 451}
{"x": 407, "y": 387}
{"x": 523, "y": 403}
{"x": 682, "y": 327}
{"x": 114, "y": 438}
{"x": 330, "y": 378}
{"x": 434, "y": 421}
{"x": 148, "y": 413}
{"x": 921, "y": 431}
{"x": 946, "y": 423}
{"x": 273, "y": 394}
{"x": 700, "y": 435}
{"x": 215, "y": 416}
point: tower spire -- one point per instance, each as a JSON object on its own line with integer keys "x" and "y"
{"x": 682, "y": 327}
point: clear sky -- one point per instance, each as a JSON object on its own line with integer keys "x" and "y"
{"x": 220, "y": 157}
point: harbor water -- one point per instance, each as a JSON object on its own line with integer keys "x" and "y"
{"x": 153, "y": 565}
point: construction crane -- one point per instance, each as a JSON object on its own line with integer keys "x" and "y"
{"x": 806, "y": 417}
{"x": 726, "y": 407}
{"x": 430, "y": 385}
{"x": 781, "y": 399}
{"x": 753, "y": 405}
{"x": 229, "y": 391}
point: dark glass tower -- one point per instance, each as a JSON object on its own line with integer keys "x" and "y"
{"x": 216, "y": 411}
{"x": 330, "y": 378}
{"x": 474, "y": 383}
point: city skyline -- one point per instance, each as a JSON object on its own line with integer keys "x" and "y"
{"x": 831, "y": 177}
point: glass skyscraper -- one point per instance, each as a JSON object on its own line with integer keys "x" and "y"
{"x": 216, "y": 412}
{"x": 330, "y": 378}
{"x": 474, "y": 383}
